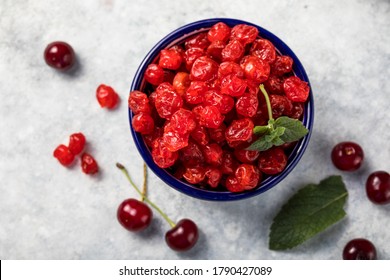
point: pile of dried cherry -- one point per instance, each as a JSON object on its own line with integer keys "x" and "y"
{"x": 201, "y": 103}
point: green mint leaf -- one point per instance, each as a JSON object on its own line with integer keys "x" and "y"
{"x": 310, "y": 211}
{"x": 262, "y": 144}
{"x": 279, "y": 131}
{"x": 272, "y": 138}
{"x": 277, "y": 141}
{"x": 294, "y": 129}
{"x": 261, "y": 129}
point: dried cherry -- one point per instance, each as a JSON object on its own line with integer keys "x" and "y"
{"x": 76, "y": 143}
{"x": 181, "y": 82}
{"x": 163, "y": 157}
{"x": 239, "y": 131}
{"x": 244, "y": 33}
{"x": 296, "y": 90}
{"x": 139, "y": 102}
{"x": 191, "y": 55}
{"x": 233, "y": 51}
{"x": 219, "y": 32}
{"x": 233, "y": 85}
{"x": 208, "y": 116}
{"x": 154, "y": 74}
{"x": 272, "y": 161}
{"x": 195, "y": 92}
{"x": 170, "y": 59}
{"x": 229, "y": 67}
{"x": 229, "y": 163}
{"x": 106, "y": 96}
{"x": 89, "y": 164}
{"x": 204, "y": 69}
{"x": 264, "y": 50}
{"x": 255, "y": 69}
{"x": 167, "y": 102}
{"x": 248, "y": 176}
{"x": 282, "y": 65}
{"x": 143, "y": 123}
{"x": 213, "y": 154}
{"x": 194, "y": 174}
{"x": 198, "y": 41}
{"x": 64, "y": 155}
{"x": 214, "y": 176}
{"x": 247, "y": 105}
{"x": 224, "y": 103}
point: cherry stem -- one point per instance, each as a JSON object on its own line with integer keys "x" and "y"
{"x": 267, "y": 101}
{"x": 144, "y": 187}
{"x": 124, "y": 170}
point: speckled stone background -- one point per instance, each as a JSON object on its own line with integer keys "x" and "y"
{"x": 51, "y": 212}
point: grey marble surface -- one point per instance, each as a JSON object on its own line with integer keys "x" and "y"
{"x": 51, "y": 212}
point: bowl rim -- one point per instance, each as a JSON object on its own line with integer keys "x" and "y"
{"x": 295, "y": 155}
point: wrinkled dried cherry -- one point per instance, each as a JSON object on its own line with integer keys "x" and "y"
{"x": 208, "y": 116}
{"x": 195, "y": 92}
{"x": 76, "y": 143}
{"x": 255, "y": 69}
{"x": 233, "y": 51}
{"x": 223, "y": 102}
{"x": 229, "y": 67}
{"x": 248, "y": 176}
{"x": 233, "y": 85}
{"x": 264, "y": 50}
{"x": 213, "y": 154}
{"x": 143, "y": 123}
{"x": 214, "y": 176}
{"x": 239, "y": 131}
{"x": 163, "y": 157}
{"x": 244, "y": 33}
{"x": 194, "y": 174}
{"x": 219, "y": 32}
{"x": 154, "y": 74}
{"x": 106, "y": 96}
{"x": 282, "y": 65}
{"x": 204, "y": 69}
{"x": 168, "y": 102}
{"x": 198, "y": 41}
{"x": 295, "y": 89}
{"x": 191, "y": 155}
{"x": 89, "y": 164}
{"x": 139, "y": 102}
{"x": 170, "y": 59}
{"x": 181, "y": 82}
{"x": 246, "y": 156}
{"x": 272, "y": 161}
{"x": 63, "y": 155}
{"x": 247, "y": 105}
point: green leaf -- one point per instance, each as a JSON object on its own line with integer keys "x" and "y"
{"x": 294, "y": 129}
{"x": 268, "y": 140}
{"x": 261, "y": 144}
{"x": 261, "y": 129}
{"x": 310, "y": 211}
{"x": 279, "y": 131}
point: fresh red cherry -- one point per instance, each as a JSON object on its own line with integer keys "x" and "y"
{"x": 378, "y": 187}
{"x": 359, "y": 249}
{"x": 89, "y": 164}
{"x": 106, "y": 96}
{"x": 183, "y": 236}
{"x": 347, "y": 156}
{"x": 76, "y": 143}
{"x": 64, "y": 155}
{"x": 134, "y": 215}
{"x": 59, "y": 55}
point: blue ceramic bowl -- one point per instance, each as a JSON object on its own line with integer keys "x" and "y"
{"x": 178, "y": 36}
